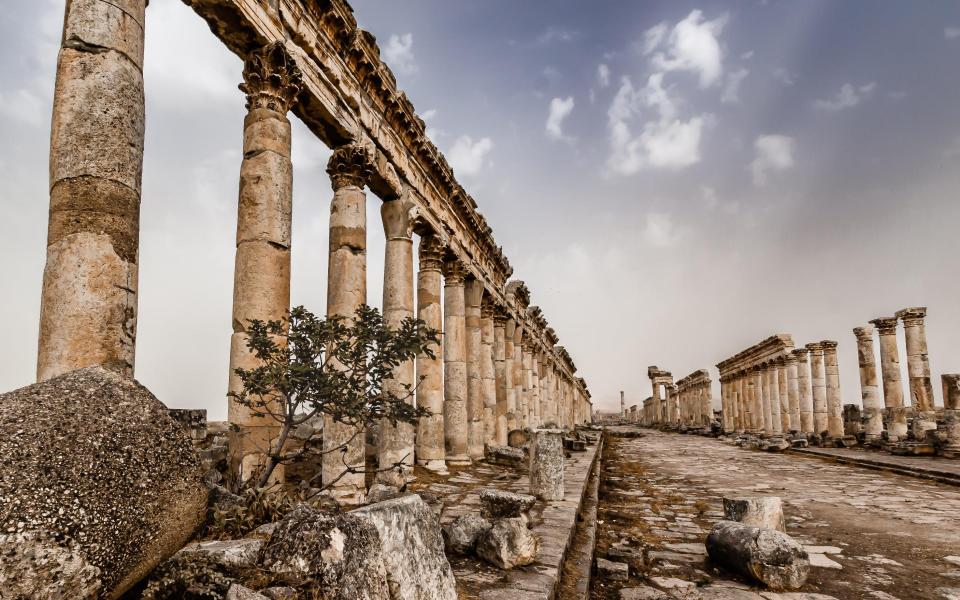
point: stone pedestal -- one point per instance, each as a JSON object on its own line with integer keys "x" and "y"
{"x": 818, "y": 383}
{"x": 896, "y": 414}
{"x": 869, "y": 390}
{"x": 88, "y": 306}
{"x": 349, "y": 167}
{"x": 951, "y": 404}
{"x": 473, "y": 294}
{"x": 261, "y": 276}
{"x": 834, "y": 399}
{"x": 455, "y": 426}
{"x": 546, "y": 464}
{"x": 429, "y": 443}
{"x": 918, "y": 370}
{"x": 396, "y": 442}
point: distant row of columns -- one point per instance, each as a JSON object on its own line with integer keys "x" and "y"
{"x": 695, "y": 399}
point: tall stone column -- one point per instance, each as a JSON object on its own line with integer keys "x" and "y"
{"x": 473, "y": 293}
{"x": 806, "y": 393}
{"x": 784, "y": 394}
{"x": 707, "y": 405}
{"x": 743, "y": 415}
{"x": 623, "y": 411}
{"x": 535, "y": 391}
{"x": 890, "y": 370}
{"x": 455, "y": 425}
{"x": 951, "y": 416}
{"x": 261, "y": 278}
{"x": 88, "y": 306}
{"x": 349, "y": 167}
{"x": 761, "y": 408}
{"x": 834, "y": 399}
{"x": 395, "y": 442}
{"x": 918, "y": 370}
{"x": 500, "y": 343}
{"x": 775, "y": 406}
{"x": 793, "y": 392}
{"x": 429, "y": 443}
{"x": 526, "y": 359}
{"x": 819, "y": 384}
{"x": 869, "y": 390}
{"x": 515, "y": 333}
{"x": 488, "y": 373}
{"x": 725, "y": 410}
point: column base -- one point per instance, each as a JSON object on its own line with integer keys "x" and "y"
{"x": 436, "y": 465}
{"x": 459, "y": 460}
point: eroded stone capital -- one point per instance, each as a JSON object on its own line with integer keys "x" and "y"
{"x": 431, "y": 253}
{"x": 398, "y": 217}
{"x": 801, "y": 354}
{"x": 885, "y": 325}
{"x": 829, "y": 345}
{"x": 349, "y": 165}
{"x": 815, "y": 348}
{"x": 454, "y": 272}
{"x": 271, "y": 79}
{"x": 913, "y": 315}
{"x": 863, "y": 333}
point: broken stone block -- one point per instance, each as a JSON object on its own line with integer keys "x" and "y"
{"x": 341, "y": 555}
{"x": 229, "y": 553}
{"x": 506, "y": 456}
{"x": 546, "y": 465}
{"x": 574, "y": 445}
{"x": 632, "y": 556}
{"x": 759, "y": 511}
{"x": 94, "y": 531}
{"x": 769, "y": 556}
{"x": 417, "y": 568}
{"x": 461, "y": 535}
{"x": 508, "y": 544}
{"x": 379, "y": 492}
{"x": 518, "y": 438}
{"x": 238, "y": 592}
{"x": 615, "y": 571}
{"x": 499, "y": 504}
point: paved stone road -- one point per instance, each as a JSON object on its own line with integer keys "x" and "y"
{"x": 887, "y": 536}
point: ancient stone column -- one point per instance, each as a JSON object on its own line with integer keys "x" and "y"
{"x": 761, "y": 410}
{"x": 526, "y": 358}
{"x": 488, "y": 373}
{"x": 395, "y": 443}
{"x": 951, "y": 414}
{"x": 623, "y": 411}
{"x": 707, "y": 404}
{"x": 743, "y": 407}
{"x": 834, "y": 399}
{"x": 806, "y": 393}
{"x": 890, "y": 370}
{"x": 784, "y": 394}
{"x": 510, "y": 333}
{"x": 546, "y": 464}
{"x": 500, "y": 343}
{"x": 869, "y": 391}
{"x": 349, "y": 167}
{"x": 261, "y": 277}
{"x": 88, "y": 306}
{"x": 455, "y": 426}
{"x": 918, "y": 370}
{"x": 473, "y": 293}
{"x": 793, "y": 392}
{"x": 429, "y": 443}
{"x": 535, "y": 392}
{"x": 819, "y": 384}
{"x": 776, "y": 420}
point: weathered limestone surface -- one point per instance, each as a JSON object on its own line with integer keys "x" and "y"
{"x": 819, "y": 384}
{"x": 951, "y": 405}
{"x": 473, "y": 295}
{"x": 88, "y": 313}
{"x": 546, "y": 464}
{"x": 500, "y": 376}
{"x": 396, "y": 442}
{"x": 99, "y": 485}
{"x": 890, "y": 369}
{"x": 834, "y": 399}
{"x": 508, "y": 544}
{"x": 869, "y": 390}
{"x": 455, "y": 425}
{"x": 488, "y": 374}
{"x": 429, "y": 443}
{"x": 769, "y": 556}
{"x": 759, "y": 511}
{"x": 918, "y": 369}
{"x": 806, "y": 392}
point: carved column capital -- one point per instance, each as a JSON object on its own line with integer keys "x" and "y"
{"x": 486, "y": 309}
{"x": 829, "y": 345}
{"x": 271, "y": 79}
{"x": 454, "y": 272}
{"x": 398, "y": 217}
{"x": 815, "y": 348}
{"x": 863, "y": 333}
{"x": 350, "y": 164}
{"x": 912, "y": 316}
{"x": 801, "y": 354}
{"x": 431, "y": 253}
{"x": 886, "y": 325}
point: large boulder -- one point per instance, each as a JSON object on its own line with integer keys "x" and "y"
{"x": 769, "y": 556}
{"x": 460, "y": 535}
{"x": 99, "y": 485}
{"x": 340, "y": 555}
{"x": 417, "y": 568}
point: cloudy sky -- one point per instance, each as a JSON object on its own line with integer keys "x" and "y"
{"x": 673, "y": 180}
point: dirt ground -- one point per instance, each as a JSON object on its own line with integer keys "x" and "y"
{"x": 887, "y": 536}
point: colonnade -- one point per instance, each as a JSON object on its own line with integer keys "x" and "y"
{"x": 695, "y": 399}
{"x": 661, "y": 407}
{"x": 499, "y": 367}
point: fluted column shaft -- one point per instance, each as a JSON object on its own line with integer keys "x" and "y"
{"x": 349, "y": 167}
{"x": 818, "y": 383}
{"x": 429, "y": 443}
{"x": 890, "y": 370}
{"x": 510, "y": 415}
{"x": 776, "y": 421}
{"x": 707, "y": 405}
{"x": 455, "y": 425}
{"x": 918, "y": 369}
{"x": 806, "y": 393}
{"x": 784, "y": 394}
{"x": 793, "y": 392}
{"x": 535, "y": 392}
{"x": 473, "y": 293}
{"x": 869, "y": 390}
{"x": 488, "y": 374}
{"x": 395, "y": 443}
{"x": 88, "y": 304}
{"x": 500, "y": 374}
{"x": 761, "y": 408}
{"x": 951, "y": 413}
{"x": 526, "y": 377}
{"x": 834, "y": 398}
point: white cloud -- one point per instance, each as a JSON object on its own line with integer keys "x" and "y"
{"x": 653, "y": 36}
{"x": 951, "y": 33}
{"x": 603, "y": 75}
{"x": 784, "y": 76}
{"x": 556, "y": 34}
{"x": 399, "y": 53}
{"x": 659, "y": 230}
{"x": 771, "y": 153}
{"x": 428, "y": 114}
{"x": 560, "y": 109}
{"x": 468, "y": 157}
{"x": 663, "y": 143}
{"x": 731, "y": 89}
{"x": 848, "y": 97}
{"x": 747, "y": 55}
{"x": 692, "y": 46}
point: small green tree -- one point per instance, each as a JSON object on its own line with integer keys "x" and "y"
{"x": 331, "y": 366}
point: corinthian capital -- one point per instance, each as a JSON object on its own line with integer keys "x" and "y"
{"x": 431, "y": 253}
{"x": 271, "y": 79}
{"x": 454, "y": 272}
{"x": 349, "y": 165}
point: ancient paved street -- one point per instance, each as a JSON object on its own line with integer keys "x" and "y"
{"x": 881, "y": 535}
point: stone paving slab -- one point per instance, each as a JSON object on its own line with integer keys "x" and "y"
{"x": 944, "y": 470}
